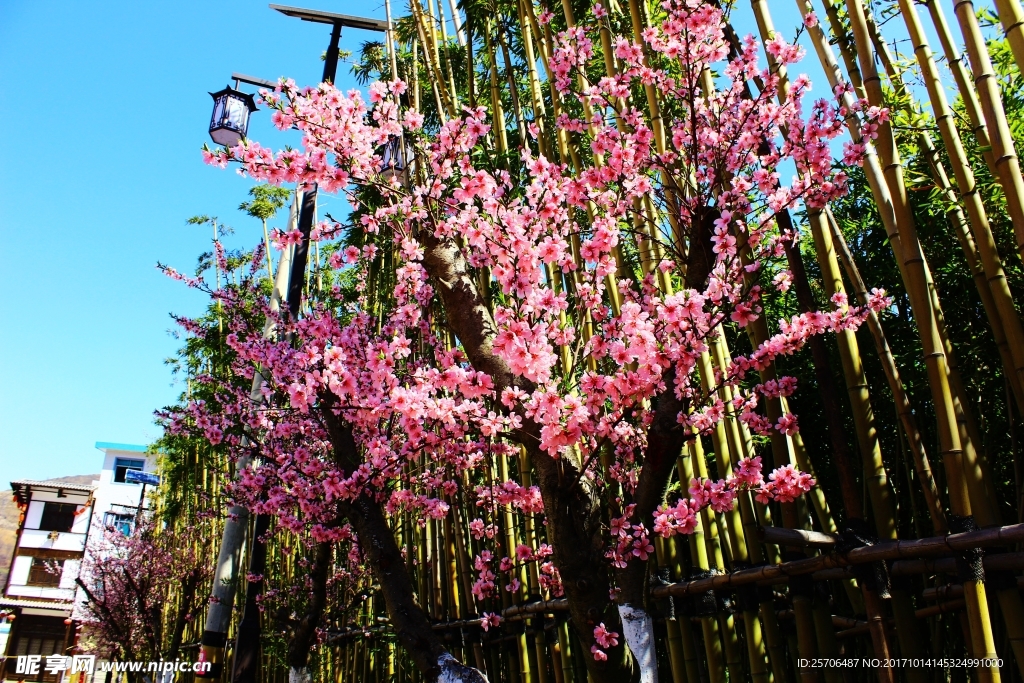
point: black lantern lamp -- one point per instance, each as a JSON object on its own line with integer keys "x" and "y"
{"x": 392, "y": 155}
{"x": 230, "y": 120}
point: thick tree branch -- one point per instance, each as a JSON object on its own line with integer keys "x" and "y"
{"x": 573, "y": 512}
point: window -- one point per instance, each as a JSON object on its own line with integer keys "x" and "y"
{"x": 122, "y": 465}
{"x": 58, "y": 516}
{"x": 120, "y": 521}
{"x": 45, "y": 573}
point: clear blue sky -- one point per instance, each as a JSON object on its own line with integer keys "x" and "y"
{"x": 103, "y": 109}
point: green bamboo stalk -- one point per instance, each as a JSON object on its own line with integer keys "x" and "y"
{"x": 699, "y": 558}
{"x": 725, "y": 440}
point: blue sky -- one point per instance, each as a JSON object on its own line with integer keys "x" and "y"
{"x": 104, "y": 107}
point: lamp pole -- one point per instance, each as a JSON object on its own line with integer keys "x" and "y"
{"x": 226, "y": 576}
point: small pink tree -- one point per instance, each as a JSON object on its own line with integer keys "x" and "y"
{"x": 127, "y": 581}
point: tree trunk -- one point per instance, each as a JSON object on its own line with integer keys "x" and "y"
{"x": 572, "y": 507}
{"x": 409, "y": 621}
{"x": 188, "y": 594}
{"x": 304, "y": 636}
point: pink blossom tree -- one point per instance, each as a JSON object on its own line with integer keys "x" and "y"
{"x": 555, "y": 309}
{"x": 127, "y": 580}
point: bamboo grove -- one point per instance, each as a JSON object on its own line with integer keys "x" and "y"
{"x": 907, "y": 545}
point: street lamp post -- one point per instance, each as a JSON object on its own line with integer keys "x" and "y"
{"x": 337, "y": 21}
{"x": 226, "y": 576}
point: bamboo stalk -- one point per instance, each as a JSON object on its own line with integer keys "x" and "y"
{"x": 1007, "y": 165}
{"x": 904, "y": 409}
{"x": 875, "y": 477}
{"x": 699, "y": 558}
{"x": 998, "y": 293}
{"x": 1006, "y": 316}
{"x": 498, "y": 114}
{"x": 676, "y": 656}
{"x": 874, "y": 470}
{"x": 903, "y": 239}
{"x": 955, "y": 63}
{"x": 726, "y": 440}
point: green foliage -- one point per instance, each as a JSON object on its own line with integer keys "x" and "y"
{"x": 266, "y": 201}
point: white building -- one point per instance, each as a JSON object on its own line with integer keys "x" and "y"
{"x": 58, "y": 521}
{"x": 117, "y": 501}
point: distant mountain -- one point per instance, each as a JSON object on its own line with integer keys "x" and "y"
{"x": 9, "y": 517}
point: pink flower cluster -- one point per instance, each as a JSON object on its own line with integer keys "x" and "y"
{"x": 785, "y": 485}
{"x": 604, "y": 639}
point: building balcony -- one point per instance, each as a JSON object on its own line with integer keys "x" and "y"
{"x": 44, "y": 592}
{"x": 52, "y": 540}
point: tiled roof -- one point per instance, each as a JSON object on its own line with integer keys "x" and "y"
{"x": 56, "y": 484}
{"x": 21, "y": 486}
{"x": 41, "y": 604}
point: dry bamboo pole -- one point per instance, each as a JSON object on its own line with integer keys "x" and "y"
{"x": 1011, "y": 352}
{"x": 925, "y": 313}
{"x": 955, "y": 63}
{"x": 433, "y": 69}
{"x": 866, "y": 434}
{"x": 846, "y": 51}
{"x": 460, "y": 32}
{"x": 899, "y": 224}
{"x": 1005, "y": 319}
{"x": 498, "y": 114}
{"x": 676, "y": 656}
{"x": 691, "y": 657}
{"x": 918, "y": 549}
{"x": 904, "y": 410}
{"x": 699, "y": 558}
{"x": 465, "y": 568}
{"x": 544, "y": 46}
{"x": 880, "y": 186}
{"x": 513, "y": 90}
{"x": 1007, "y": 165}
{"x": 975, "y": 465}
{"x": 451, "y": 569}
{"x": 536, "y": 95}
{"x": 828, "y": 643}
{"x": 756, "y": 654}
{"x": 447, "y": 56}
{"x": 540, "y": 647}
{"x": 871, "y": 455}
{"x": 970, "y": 431}
{"x": 511, "y": 542}
{"x": 853, "y": 371}
{"x": 429, "y": 23}
{"x": 737, "y": 521}
{"x": 1012, "y": 18}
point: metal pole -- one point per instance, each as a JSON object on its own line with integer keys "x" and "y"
{"x": 331, "y": 62}
{"x": 218, "y": 615}
{"x": 245, "y": 667}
